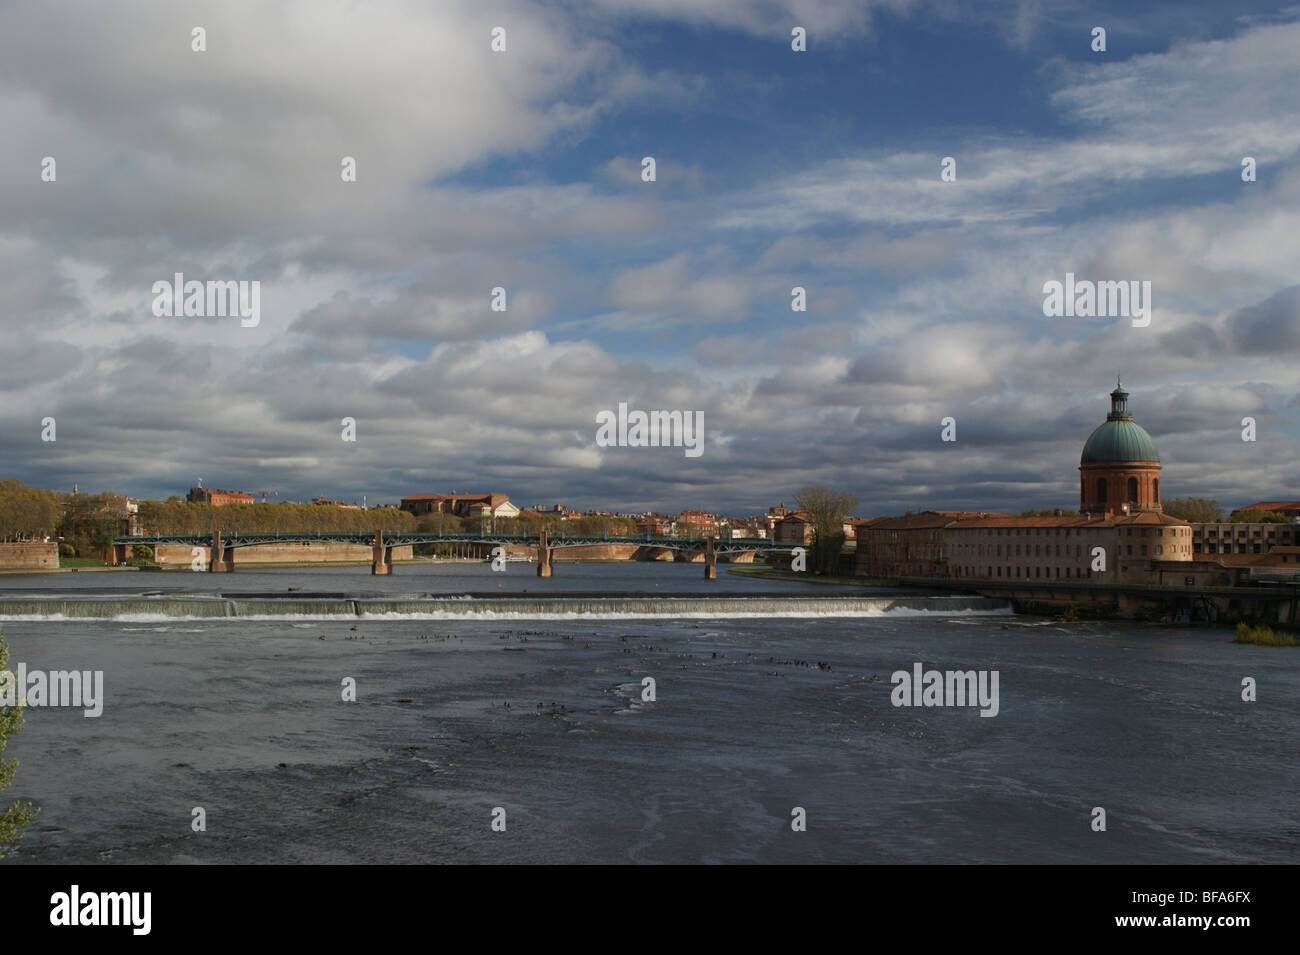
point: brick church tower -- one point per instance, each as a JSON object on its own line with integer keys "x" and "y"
{"x": 1119, "y": 471}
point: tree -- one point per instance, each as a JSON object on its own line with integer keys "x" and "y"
{"x": 1194, "y": 510}
{"x": 26, "y": 512}
{"x": 19, "y": 814}
{"x": 1255, "y": 515}
{"x": 439, "y": 522}
{"x": 1060, "y": 511}
{"x": 827, "y": 510}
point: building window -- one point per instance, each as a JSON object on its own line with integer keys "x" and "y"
{"x": 1130, "y": 550}
{"x": 1132, "y": 490}
{"x": 1155, "y": 490}
{"x": 1101, "y": 490}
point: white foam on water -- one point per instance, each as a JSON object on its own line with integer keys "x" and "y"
{"x": 564, "y": 615}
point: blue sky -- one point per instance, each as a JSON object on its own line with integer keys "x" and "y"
{"x": 521, "y": 170}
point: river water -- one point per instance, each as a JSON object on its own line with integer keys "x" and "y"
{"x": 754, "y": 715}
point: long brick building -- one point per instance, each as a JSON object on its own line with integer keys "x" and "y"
{"x": 1119, "y": 490}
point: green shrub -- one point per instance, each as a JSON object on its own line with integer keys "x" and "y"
{"x": 1264, "y": 636}
{"x": 19, "y": 814}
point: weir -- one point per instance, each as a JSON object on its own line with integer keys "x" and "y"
{"x": 557, "y": 607}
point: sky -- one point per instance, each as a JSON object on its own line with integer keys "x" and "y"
{"x": 522, "y": 169}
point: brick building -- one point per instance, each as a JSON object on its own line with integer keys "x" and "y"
{"x": 1041, "y": 548}
{"x": 461, "y": 505}
{"x": 795, "y": 526}
{"x": 1119, "y": 470}
{"x": 698, "y": 523}
{"x": 913, "y": 545}
{"x": 217, "y": 497}
{"x": 1121, "y": 513}
{"x": 1236, "y": 539}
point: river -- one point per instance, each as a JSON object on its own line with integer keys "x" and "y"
{"x": 459, "y": 715}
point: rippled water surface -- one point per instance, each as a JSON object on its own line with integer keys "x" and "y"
{"x": 545, "y": 719}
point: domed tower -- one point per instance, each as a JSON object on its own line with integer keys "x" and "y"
{"x": 1119, "y": 470}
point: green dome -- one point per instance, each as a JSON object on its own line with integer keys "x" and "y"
{"x": 1120, "y": 438}
{"x": 1119, "y": 441}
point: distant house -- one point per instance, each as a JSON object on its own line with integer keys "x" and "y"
{"x": 217, "y": 497}
{"x": 698, "y": 523}
{"x": 794, "y": 526}
{"x": 655, "y": 525}
{"x": 327, "y": 502}
{"x": 553, "y": 510}
{"x": 1289, "y": 508}
{"x": 461, "y": 505}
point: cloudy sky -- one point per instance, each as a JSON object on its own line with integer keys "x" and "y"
{"x": 522, "y": 169}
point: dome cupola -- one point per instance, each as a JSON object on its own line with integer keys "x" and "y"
{"x": 1119, "y": 470}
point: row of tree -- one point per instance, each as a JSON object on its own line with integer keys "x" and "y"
{"x": 176, "y": 516}
{"x": 528, "y": 523}
{"x": 27, "y": 513}
{"x": 827, "y": 509}
{"x": 1202, "y": 510}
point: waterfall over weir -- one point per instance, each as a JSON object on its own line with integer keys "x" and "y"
{"x": 489, "y": 607}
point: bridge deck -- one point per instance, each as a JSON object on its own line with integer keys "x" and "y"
{"x": 403, "y": 538}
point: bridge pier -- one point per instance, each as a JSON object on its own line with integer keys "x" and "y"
{"x": 543, "y": 556}
{"x": 216, "y": 555}
{"x": 710, "y": 560}
{"x": 381, "y": 563}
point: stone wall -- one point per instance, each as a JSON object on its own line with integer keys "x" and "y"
{"x": 173, "y": 555}
{"x": 29, "y": 556}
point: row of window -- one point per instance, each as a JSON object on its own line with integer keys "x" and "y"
{"x": 1079, "y": 572}
{"x": 1286, "y": 535}
{"x": 1079, "y": 531}
{"x": 1227, "y": 549}
{"x": 1078, "y": 550}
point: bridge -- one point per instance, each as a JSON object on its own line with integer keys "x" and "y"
{"x": 221, "y": 547}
